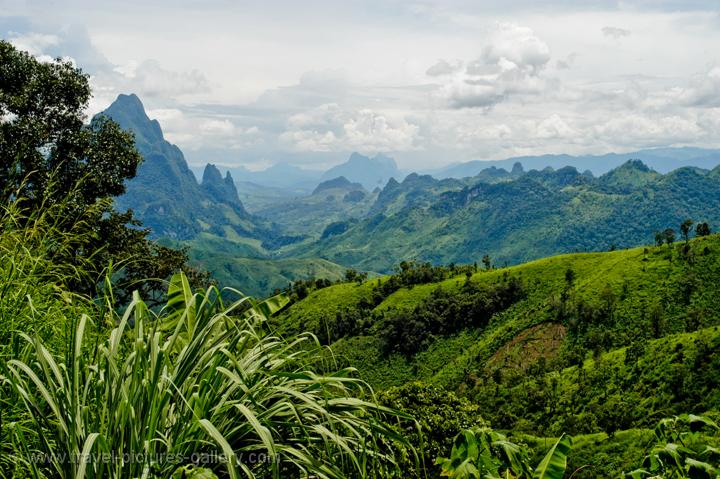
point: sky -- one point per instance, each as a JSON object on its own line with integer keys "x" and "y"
{"x": 428, "y": 82}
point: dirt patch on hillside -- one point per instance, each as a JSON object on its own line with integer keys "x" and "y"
{"x": 525, "y": 349}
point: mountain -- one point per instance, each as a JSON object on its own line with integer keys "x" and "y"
{"x": 537, "y": 214}
{"x": 662, "y": 160}
{"x": 337, "y": 200}
{"x": 370, "y": 172}
{"x": 595, "y": 345}
{"x": 165, "y": 195}
{"x": 280, "y": 175}
{"x": 220, "y": 189}
{"x": 340, "y": 182}
{"x": 207, "y": 217}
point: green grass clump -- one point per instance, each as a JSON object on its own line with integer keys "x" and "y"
{"x": 91, "y": 390}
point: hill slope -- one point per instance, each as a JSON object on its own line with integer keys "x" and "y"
{"x": 577, "y": 343}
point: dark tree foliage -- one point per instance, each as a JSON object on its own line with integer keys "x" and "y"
{"x": 440, "y": 415}
{"x": 686, "y": 228}
{"x": 445, "y": 313}
{"x": 50, "y": 156}
{"x": 669, "y": 236}
{"x": 702, "y": 229}
{"x": 44, "y": 140}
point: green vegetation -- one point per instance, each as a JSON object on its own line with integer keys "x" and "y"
{"x": 118, "y": 360}
{"x": 254, "y": 276}
{"x": 521, "y": 218}
{"x": 52, "y": 160}
{"x": 93, "y": 386}
{"x": 595, "y": 345}
{"x": 484, "y": 453}
{"x": 199, "y": 378}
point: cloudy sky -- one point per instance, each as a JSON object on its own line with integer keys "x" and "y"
{"x": 429, "y": 82}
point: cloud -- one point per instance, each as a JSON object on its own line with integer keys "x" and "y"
{"x": 510, "y": 64}
{"x": 195, "y": 131}
{"x": 441, "y": 68}
{"x": 331, "y": 128}
{"x": 615, "y": 32}
{"x": 703, "y": 91}
{"x": 150, "y": 79}
{"x": 517, "y": 45}
{"x": 567, "y": 63}
{"x": 554, "y": 127}
{"x": 32, "y": 42}
{"x": 640, "y": 130}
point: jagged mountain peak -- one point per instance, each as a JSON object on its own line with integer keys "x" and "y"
{"x": 212, "y": 174}
{"x": 630, "y": 174}
{"x": 129, "y": 112}
{"x": 218, "y": 188}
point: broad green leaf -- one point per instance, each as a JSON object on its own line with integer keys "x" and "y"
{"x": 555, "y": 461}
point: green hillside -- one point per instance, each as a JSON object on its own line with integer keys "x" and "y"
{"x": 244, "y": 264}
{"x": 648, "y": 299}
{"x": 593, "y": 342}
{"x": 524, "y": 217}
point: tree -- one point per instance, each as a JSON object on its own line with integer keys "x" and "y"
{"x": 702, "y": 229}
{"x": 669, "y": 236}
{"x": 50, "y": 156}
{"x": 569, "y": 277}
{"x": 45, "y": 147}
{"x": 659, "y": 238}
{"x": 686, "y": 228}
{"x": 486, "y": 262}
{"x": 657, "y": 320}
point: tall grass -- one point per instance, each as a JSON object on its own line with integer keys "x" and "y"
{"x": 198, "y": 380}
{"x": 34, "y": 283}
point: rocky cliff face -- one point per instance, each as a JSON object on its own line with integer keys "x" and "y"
{"x": 165, "y": 194}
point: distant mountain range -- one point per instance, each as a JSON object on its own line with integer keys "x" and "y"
{"x": 520, "y": 216}
{"x": 367, "y": 214}
{"x": 662, "y": 160}
{"x": 374, "y": 172}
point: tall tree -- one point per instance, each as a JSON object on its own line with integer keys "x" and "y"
{"x": 49, "y": 155}
{"x": 45, "y": 146}
{"x": 669, "y": 235}
{"x": 686, "y": 228}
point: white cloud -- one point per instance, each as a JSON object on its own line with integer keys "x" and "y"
{"x": 442, "y": 67}
{"x": 150, "y": 79}
{"x": 330, "y": 128}
{"x": 554, "y": 127}
{"x": 194, "y": 132}
{"x": 32, "y": 42}
{"x": 704, "y": 90}
{"x": 217, "y": 127}
{"x": 511, "y": 43}
{"x": 636, "y": 129}
{"x": 510, "y": 64}
{"x": 615, "y": 32}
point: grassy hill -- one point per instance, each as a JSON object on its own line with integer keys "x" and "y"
{"x": 244, "y": 264}
{"x": 576, "y": 311}
{"x": 597, "y": 345}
